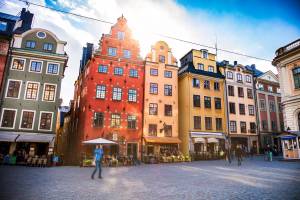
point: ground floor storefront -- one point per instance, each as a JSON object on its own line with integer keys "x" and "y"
{"x": 249, "y": 143}
{"x": 290, "y": 141}
{"x": 270, "y": 140}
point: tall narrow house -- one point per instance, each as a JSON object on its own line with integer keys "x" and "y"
{"x": 202, "y": 118}
{"x": 160, "y": 132}
{"x": 108, "y": 99}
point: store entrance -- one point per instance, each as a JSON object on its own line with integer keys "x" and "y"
{"x": 132, "y": 149}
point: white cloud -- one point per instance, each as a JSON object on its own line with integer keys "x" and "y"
{"x": 257, "y": 38}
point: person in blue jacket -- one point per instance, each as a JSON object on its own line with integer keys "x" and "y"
{"x": 98, "y": 154}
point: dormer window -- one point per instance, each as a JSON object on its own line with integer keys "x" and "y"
{"x": 204, "y": 54}
{"x": 30, "y": 44}
{"x": 48, "y": 46}
{"x": 161, "y": 59}
{"x": 239, "y": 77}
{"x": 121, "y": 35}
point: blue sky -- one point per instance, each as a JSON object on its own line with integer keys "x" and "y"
{"x": 251, "y": 27}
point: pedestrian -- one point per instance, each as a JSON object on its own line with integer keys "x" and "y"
{"x": 239, "y": 153}
{"x": 252, "y": 152}
{"x": 98, "y": 154}
{"x": 270, "y": 154}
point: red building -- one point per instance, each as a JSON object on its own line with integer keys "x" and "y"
{"x": 108, "y": 98}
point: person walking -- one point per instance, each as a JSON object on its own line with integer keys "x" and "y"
{"x": 270, "y": 154}
{"x": 98, "y": 154}
{"x": 239, "y": 153}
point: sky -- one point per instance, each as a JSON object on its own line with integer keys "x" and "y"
{"x": 252, "y": 27}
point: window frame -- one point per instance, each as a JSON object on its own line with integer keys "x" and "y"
{"x": 296, "y": 77}
{"x": 207, "y": 119}
{"x": 7, "y": 86}
{"x": 31, "y": 42}
{"x": 117, "y": 125}
{"x": 52, "y": 84}
{"x": 18, "y": 58}
{"x": 40, "y": 117}
{"x": 2, "y": 114}
{"x": 166, "y": 72}
{"x": 153, "y": 70}
{"x": 199, "y": 120}
{"x": 251, "y": 107}
{"x": 231, "y": 75}
{"x": 100, "y": 91}
{"x": 168, "y": 90}
{"x": 53, "y": 63}
{"x": 153, "y": 127}
{"x": 102, "y": 67}
{"x": 248, "y": 79}
{"x": 135, "y": 122}
{"x": 170, "y": 113}
{"x": 211, "y": 69}
{"x": 219, "y": 127}
{"x": 94, "y": 119}
{"x": 117, "y": 71}
{"x": 195, "y": 85}
{"x": 136, "y": 75}
{"x": 206, "y": 84}
{"x": 239, "y": 80}
{"x": 125, "y": 55}
{"x": 231, "y": 123}
{"x": 115, "y": 51}
{"x": 134, "y": 98}
{"x": 218, "y": 100}
{"x": 48, "y": 44}
{"x": 194, "y": 100}
{"x": 152, "y": 106}
{"x": 115, "y": 98}
{"x": 206, "y": 100}
{"x": 30, "y": 63}
{"x": 38, "y": 91}
{"x": 153, "y": 91}
{"x": 21, "y": 119}
{"x": 240, "y": 110}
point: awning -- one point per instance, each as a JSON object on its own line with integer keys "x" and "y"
{"x": 212, "y": 140}
{"x": 208, "y": 134}
{"x": 98, "y": 141}
{"x": 35, "y": 137}
{"x": 199, "y": 140}
{"x": 287, "y": 137}
{"x": 162, "y": 140}
{"x": 6, "y": 136}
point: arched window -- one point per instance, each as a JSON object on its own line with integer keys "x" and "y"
{"x": 296, "y": 75}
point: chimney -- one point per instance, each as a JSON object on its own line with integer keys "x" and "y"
{"x": 235, "y": 63}
{"x": 26, "y": 21}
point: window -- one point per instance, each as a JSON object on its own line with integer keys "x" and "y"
{"x": 126, "y": 53}
{"x": 168, "y": 74}
{"x": 102, "y": 69}
{"x": 161, "y": 59}
{"x": 219, "y": 124}
{"x": 296, "y": 75}
{"x": 262, "y": 104}
{"x": 206, "y": 84}
{"x": 27, "y": 119}
{"x": 207, "y": 102}
{"x": 168, "y": 130}
{"x": 32, "y": 91}
{"x": 153, "y": 72}
{"x": 251, "y": 109}
{"x": 270, "y": 88}
{"x": 218, "y": 104}
{"x": 132, "y": 95}
{"x": 243, "y": 127}
{"x": 272, "y": 106}
{"x": 200, "y": 66}
{"x": 45, "y": 121}
{"x": 112, "y": 51}
{"x": 115, "y": 120}
{"x": 118, "y": 71}
{"x": 230, "y": 90}
{"x": 168, "y": 90}
{"x": 216, "y": 86}
{"x": 252, "y": 127}
{"x": 197, "y": 122}
{"x": 52, "y": 68}
{"x": 168, "y": 110}
{"x": 48, "y": 47}
{"x": 152, "y": 130}
{"x": 30, "y": 44}
{"x": 18, "y": 64}
{"x": 153, "y": 109}
{"x": 249, "y": 93}
{"x": 242, "y": 109}
{"x": 278, "y": 90}
{"x": 210, "y": 68}
{"x": 196, "y": 83}
{"x": 208, "y": 123}
{"x": 196, "y": 100}
{"x": 239, "y": 77}
{"x": 204, "y": 54}
{"x": 133, "y": 73}
{"x": 232, "y": 126}
{"x": 35, "y": 66}
{"x": 248, "y": 79}
{"x": 273, "y": 125}
{"x": 121, "y": 35}
{"x": 229, "y": 75}
{"x": 8, "y": 118}
{"x": 49, "y": 92}
{"x": 131, "y": 122}
{"x": 260, "y": 87}
{"x": 100, "y": 91}
{"x": 3, "y": 26}
{"x": 264, "y": 125}
{"x": 232, "y": 108}
{"x": 279, "y": 107}
{"x": 240, "y": 92}
{"x": 41, "y": 35}
{"x": 98, "y": 119}
{"x": 117, "y": 94}
{"x": 153, "y": 88}
{"x": 13, "y": 89}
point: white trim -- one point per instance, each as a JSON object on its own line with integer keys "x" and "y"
{"x": 43, "y": 59}
{"x": 37, "y": 34}
{"x": 37, "y": 96}
{"x": 16, "y": 112}
{"x": 40, "y": 121}
{"x": 12, "y": 63}
{"x": 29, "y": 67}
{"x": 22, "y": 119}
{"x": 57, "y": 69}
{"x": 19, "y": 88}
{"x": 54, "y": 92}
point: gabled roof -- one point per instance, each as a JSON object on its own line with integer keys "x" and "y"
{"x": 271, "y": 75}
{"x": 190, "y": 68}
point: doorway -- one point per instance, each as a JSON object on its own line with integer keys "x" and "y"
{"x": 132, "y": 149}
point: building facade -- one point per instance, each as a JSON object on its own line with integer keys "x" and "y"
{"x": 108, "y": 98}
{"x": 160, "y": 132}
{"x": 32, "y": 91}
{"x": 240, "y": 106}
{"x": 287, "y": 61}
{"x": 202, "y": 118}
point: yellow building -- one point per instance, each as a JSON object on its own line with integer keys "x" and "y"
{"x": 160, "y": 101}
{"x": 202, "y": 118}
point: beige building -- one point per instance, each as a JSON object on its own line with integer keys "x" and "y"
{"x": 240, "y": 106}
{"x": 160, "y": 132}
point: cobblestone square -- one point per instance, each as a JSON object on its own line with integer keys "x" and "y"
{"x": 255, "y": 179}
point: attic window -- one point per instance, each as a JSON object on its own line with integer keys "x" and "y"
{"x": 41, "y": 34}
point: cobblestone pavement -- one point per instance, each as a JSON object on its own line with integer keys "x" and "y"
{"x": 255, "y": 179}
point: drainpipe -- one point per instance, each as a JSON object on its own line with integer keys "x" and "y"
{"x": 226, "y": 109}
{"x": 256, "y": 111}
